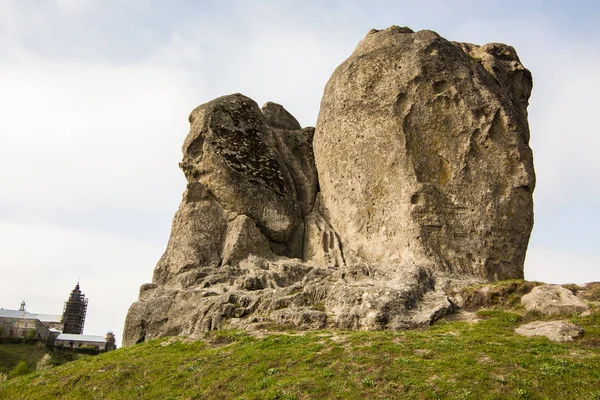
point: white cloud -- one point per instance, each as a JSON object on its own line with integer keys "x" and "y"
{"x": 74, "y": 6}
{"x": 259, "y": 58}
{"x": 564, "y": 132}
{"x": 90, "y": 134}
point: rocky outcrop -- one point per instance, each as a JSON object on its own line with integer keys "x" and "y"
{"x": 553, "y": 300}
{"x": 416, "y": 181}
{"x": 423, "y": 158}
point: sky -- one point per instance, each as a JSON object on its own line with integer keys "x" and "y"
{"x": 95, "y": 95}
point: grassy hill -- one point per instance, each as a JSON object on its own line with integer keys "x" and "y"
{"x": 34, "y": 354}
{"x": 452, "y": 359}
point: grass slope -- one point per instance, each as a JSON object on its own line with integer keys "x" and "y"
{"x": 456, "y": 360}
{"x": 11, "y": 353}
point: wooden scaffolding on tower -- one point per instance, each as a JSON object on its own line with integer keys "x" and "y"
{"x": 74, "y": 312}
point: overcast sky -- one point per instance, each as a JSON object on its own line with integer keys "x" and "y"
{"x": 95, "y": 94}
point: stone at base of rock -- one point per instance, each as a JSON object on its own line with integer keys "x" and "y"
{"x": 552, "y": 300}
{"x": 557, "y": 331}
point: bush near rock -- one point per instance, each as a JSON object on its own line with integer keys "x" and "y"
{"x": 21, "y": 369}
{"x": 503, "y": 293}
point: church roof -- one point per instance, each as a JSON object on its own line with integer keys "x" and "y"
{"x": 27, "y": 315}
{"x": 16, "y": 314}
{"x": 80, "y": 338}
{"x": 48, "y": 317}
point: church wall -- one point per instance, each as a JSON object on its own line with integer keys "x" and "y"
{"x": 21, "y": 328}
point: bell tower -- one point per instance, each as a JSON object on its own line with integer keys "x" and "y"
{"x": 74, "y": 312}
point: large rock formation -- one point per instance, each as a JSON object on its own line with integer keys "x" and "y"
{"x": 424, "y": 184}
{"x": 423, "y": 158}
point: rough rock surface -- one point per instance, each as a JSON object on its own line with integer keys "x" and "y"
{"x": 417, "y": 181}
{"x": 231, "y": 150}
{"x": 553, "y": 300}
{"x": 557, "y": 331}
{"x": 422, "y": 150}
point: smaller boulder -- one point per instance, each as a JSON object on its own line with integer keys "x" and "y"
{"x": 552, "y": 300}
{"x": 242, "y": 239}
{"x": 278, "y": 117}
{"x": 557, "y": 331}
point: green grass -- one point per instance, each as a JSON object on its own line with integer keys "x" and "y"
{"x": 450, "y": 360}
{"x": 31, "y": 353}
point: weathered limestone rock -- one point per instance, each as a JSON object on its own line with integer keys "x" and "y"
{"x": 251, "y": 178}
{"x": 231, "y": 150}
{"x": 279, "y": 118}
{"x": 422, "y": 152}
{"x": 321, "y": 242}
{"x": 147, "y": 317}
{"x": 295, "y": 146}
{"x": 197, "y": 234}
{"x": 553, "y": 300}
{"x": 424, "y": 186}
{"x": 259, "y": 293}
{"x": 243, "y": 238}
{"x": 557, "y": 331}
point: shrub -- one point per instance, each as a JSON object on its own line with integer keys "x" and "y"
{"x": 31, "y": 334}
{"x": 504, "y": 294}
{"x": 20, "y": 369}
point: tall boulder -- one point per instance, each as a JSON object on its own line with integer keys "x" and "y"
{"x": 231, "y": 150}
{"x": 240, "y": 225}
{"x": 422, "y": 152}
